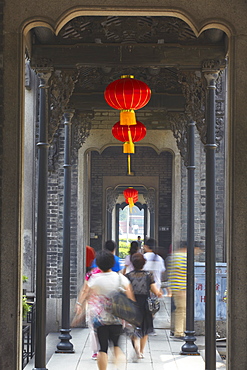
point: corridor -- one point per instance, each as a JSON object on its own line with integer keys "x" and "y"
{"x": 161, "y": 352}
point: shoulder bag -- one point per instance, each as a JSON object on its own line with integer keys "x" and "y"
{"x": 125, "y": 308}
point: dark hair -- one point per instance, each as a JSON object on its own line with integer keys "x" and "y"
{"x": 133, "y": 248}
{"x": 110, "y": 245}
{"x": 151, "y": 243}
{"x": 105, "y": 260}
{"x": 138, "y": 261}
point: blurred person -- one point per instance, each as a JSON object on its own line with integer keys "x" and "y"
{"x": 101, "y": 288}
{"x": 85, "y": 307}
{"x": 111, "y": 246}
{"x": 177, "y": 276}
{"x": 139, "y": 244}
{"x": 142, "y": 283}
{"x": 127, "y": 262}
{"x": 154, "y": 263}
{"x": 90, "y": 255}
{"x": 169, "y": 292}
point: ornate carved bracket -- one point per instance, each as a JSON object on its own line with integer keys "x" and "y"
{"x": 62, "y": 86}
{"x": 194, "y": 92}
{"x": 82, "y": 122}
{"x": 179, "y": 122}
{"x": 111, "y": 199}
{"x": 214, "y": 73}
{"x": 149, "y": 198}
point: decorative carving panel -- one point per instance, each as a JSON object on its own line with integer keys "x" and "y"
{"x": 62, "y": 85}
{"x": 179, "y": 124}
{"x": 149, "y": 198}
{"x": 82, "y": 122}
{"x": 194, "y": 92}
{"x": 127, "y": 30}
{"x": 158, "y": 79}
{"x": 111, "y": 199}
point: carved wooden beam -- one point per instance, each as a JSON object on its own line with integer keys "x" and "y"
{"x": 84, "y": 101}
{"x": 170, "y": 55}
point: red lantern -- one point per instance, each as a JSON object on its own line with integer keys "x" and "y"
{"x": 127, "y": 94}
{"x": 131, "y": 196}
{"x": 120, "y": 132}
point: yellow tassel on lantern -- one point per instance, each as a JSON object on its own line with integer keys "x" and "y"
{"x": 128, "y": 148}
{"x": 131, "y": 204}
{"x": 127, "y": 117}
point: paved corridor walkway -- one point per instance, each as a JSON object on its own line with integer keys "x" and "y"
{"x": 161, "y": 352}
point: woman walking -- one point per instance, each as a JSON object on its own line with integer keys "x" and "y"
{"x": 101, "y": 287}
{"x": 142, "y": 283}
{"x": 127, "y": 262}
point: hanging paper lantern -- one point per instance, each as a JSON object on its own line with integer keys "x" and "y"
{"x": 127, "y": 94}
{"x": 121, "y": 132}
{"x": 131, "y": 197}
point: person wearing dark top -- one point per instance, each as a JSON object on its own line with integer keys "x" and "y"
{"x": 142, "y": 283}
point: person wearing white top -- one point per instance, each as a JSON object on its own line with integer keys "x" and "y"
{"x": 101, "y": 288}
{"x": 127, "y": 262}
{"x": 154, "y": 263}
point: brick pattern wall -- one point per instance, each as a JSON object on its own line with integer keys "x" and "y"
{"x": 200, "y": 198}
{"x": 154, "y": 119}
{"x": 55, "y": 225}
{"x": 145, "y": 162}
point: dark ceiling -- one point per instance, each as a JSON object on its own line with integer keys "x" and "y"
{"x": 153, "y": 49}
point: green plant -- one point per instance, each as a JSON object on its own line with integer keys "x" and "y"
{"x": 124, "y": 247}
{"x": 24, "y": 278}
{"x": 25, "y": 307}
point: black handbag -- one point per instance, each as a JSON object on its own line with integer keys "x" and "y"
{"x": 153, "y": 304}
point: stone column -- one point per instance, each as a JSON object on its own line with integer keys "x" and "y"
{"x": 211, "y": 71}
{"x": 40, "y": 346}
{"x": 65, "y": 345}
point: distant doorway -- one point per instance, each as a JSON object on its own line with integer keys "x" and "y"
{"x": 130, "y": 225}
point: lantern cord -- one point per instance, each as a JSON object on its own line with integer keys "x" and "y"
{"x": 129, "y": 136}
{"x": 129, "y": 165}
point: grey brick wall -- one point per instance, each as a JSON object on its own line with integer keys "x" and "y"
{"x": 200, "y": 198}
{"x": 55, "y": 225}
{"x": 145, "y": 162}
